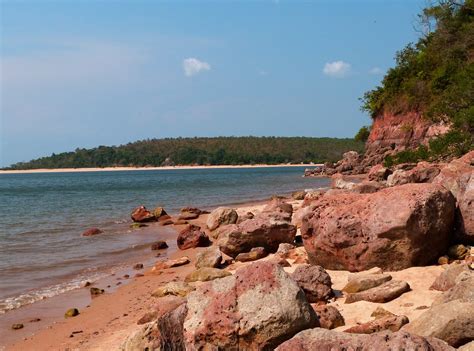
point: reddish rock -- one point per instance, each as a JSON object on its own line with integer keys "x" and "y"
{"x": 423, "y": 172}
{"x": 257, "y": 308}
{"x": 392, "y": 323}
{"x": 171, "y": 263}
{"x": 329, "y": 316}
{"x": 164, "y": 305}
{"x": 383, "y": 293}
{"x": 278, "y": 260}
{"x": 350, "y": 161}
{"x": 329, "y": 340}
{"x": 314, "y": 281}
{"x": 192, "y": 236}
{"x": 141, "y": 215}
{"x": 394, "y": 228}
{"x": 248, "y": 215}
{"x": 92, "y": 231}
{"x": 278, "y": 210}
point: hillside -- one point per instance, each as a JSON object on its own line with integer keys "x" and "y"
{"x": 424, "y": 107}
{"x": 201, "y": 151}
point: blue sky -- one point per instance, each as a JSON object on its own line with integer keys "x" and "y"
{"x": 88, "y": 73}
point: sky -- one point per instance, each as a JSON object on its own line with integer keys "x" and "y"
{"x": 79, "y": 74}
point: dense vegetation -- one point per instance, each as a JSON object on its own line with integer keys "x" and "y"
{"x": 362, "y": 134}
{"x": 435, "y": 76}
{"x": 201, "y": 151}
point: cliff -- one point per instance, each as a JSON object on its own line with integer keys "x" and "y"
{"x": 391, "y": 133}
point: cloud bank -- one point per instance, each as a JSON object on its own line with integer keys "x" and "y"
{"x": 337, "y": 69}
{"x": 193, "y": 66}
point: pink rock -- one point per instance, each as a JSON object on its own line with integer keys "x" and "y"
{"x": 394, "y": 228}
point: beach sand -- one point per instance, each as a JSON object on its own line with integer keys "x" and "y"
{"x": 164, "y": 168}
{"x": 111, "y": 317}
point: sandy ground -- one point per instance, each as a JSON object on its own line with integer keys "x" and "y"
{"x": 112, "y": 169}
{"x": 110, "y": 318}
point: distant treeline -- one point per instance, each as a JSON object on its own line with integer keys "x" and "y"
{"x": 201, "y": 151}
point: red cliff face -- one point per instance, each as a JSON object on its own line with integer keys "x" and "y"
{"x": 392, "y": 133}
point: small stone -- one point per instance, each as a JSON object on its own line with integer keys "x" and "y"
{"x": 17, "y": 326}
{"x": 96, "y": 291}
{"x": 364, "y": 282}
{"x": 138, "y": 266}
{"x": 443, "y": 260}
{"x": 126, "y": 276}
{"x": 381, "y": 312}
{"x": 255, "y": 254}
{"x": 159, "y": 245}
{"x": 86, "y": 284}
{"x": 72, "y": 312}
{"x": 34, "y": 320}
{"x": 173, "y": 288}
{"x": 92, "y": 231}
{"x": 138, "y": 275}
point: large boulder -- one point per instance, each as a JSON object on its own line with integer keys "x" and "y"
{"x": 314, "y": 281}
{"x": 350, "y": 161}
{"x": 260, "y": 231}
{"x": 394, "y": 228}
{"x": 142, "y": 215}
{"x": 166, "y": 333}
{"x": 221, "y": 216}
{"x": 379, "y": 173}
{"x": 457, "y": 177}
{"x": 329, "y": 340}
{"x": 257, "y": 308}
{"x": 192, "y": 236}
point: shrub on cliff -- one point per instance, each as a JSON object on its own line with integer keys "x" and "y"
{"x": 435, "y": 76}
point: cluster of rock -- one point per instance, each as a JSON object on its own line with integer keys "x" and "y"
{"x": 349, "y": 164}
{"x": 408, "y": 218}
{"x": 395, "y": 219}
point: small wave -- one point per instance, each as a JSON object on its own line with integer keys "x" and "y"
{"x": 12, "y": 303}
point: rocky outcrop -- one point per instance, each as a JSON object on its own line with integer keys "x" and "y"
{"x": 267, "y": 230}
{"x": 394, "y": 228}
{"x": 314, "y": 281}
{"x": 221, "y": 216}
{"x": 391, "y": 133}
{"x": 257, "y": 308}
{"x": 424, "y": 172}
{"x": 192, "y": 236}
{"x": 329, "y": 340}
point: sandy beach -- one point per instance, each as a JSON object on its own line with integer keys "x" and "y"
{"x": 165, "y": 168}
{"x": 105, "y": 321}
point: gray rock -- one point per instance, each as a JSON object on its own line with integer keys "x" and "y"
{"x": 314, "y": 281}
{"x": 221, "y": 216}
{"x": 210, "y": 257}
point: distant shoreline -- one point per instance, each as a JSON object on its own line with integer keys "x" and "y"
{"x": 115, "y": 169}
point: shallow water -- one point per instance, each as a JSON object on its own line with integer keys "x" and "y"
{"x": 42, "y": 217}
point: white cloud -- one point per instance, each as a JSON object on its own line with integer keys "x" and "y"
{"x": 338, "y": 69}
{"x": 193, "y": 66}
{"x": 376, "y": 71}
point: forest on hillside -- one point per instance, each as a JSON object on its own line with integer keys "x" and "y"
{"x": 201, "y": 151}
{"x": 434, "y": 76}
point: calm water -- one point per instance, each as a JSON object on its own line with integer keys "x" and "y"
{"x": 42, "y": 217}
